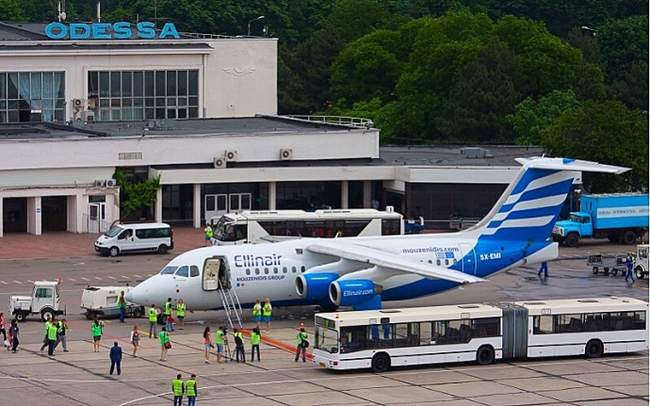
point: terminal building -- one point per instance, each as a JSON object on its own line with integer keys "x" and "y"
{"x": 199, "y": 112}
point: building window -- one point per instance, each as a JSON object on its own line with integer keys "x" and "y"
{"x": 143, "y": 95}
{"x": 32, "y": 96}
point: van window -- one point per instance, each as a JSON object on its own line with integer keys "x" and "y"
{"x": 111, "y": 300}
{"x": 152, "y": 233}
{"x": 114, "y": 231}
{"x": 43, "y": 292}
{"x": 182, "y": 271}
{"x": 168, "y": 270}
{"x": 194, "y": 271}
{"x": 125, "y": 234}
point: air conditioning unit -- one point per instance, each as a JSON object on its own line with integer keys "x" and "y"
{"x": 286, "y": 154}
{"x": 88, "y": 115}
{"x": 219, "y": 162}
{"x": 78, "y": 104}
{"x": 111, "y": 183}
{"x": 231, "y": 156}
{"x": 100, "y": 183}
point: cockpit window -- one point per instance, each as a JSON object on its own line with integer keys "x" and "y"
{"x": 194, "y": 271}
{"x": 182, "y": 271}
{"x": 168, "y": 270}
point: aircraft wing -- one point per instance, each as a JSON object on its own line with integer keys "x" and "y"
{"x": 360, "y": 253}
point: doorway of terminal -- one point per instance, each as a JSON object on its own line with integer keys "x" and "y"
{"x": 54, "y": 213}
{"x": 14, "y": 215}
{"x": 217, "y": 205}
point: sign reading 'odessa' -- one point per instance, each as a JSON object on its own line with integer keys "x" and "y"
{"x": 119, "y": 30}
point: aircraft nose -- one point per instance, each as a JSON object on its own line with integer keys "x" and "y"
{"x": 130, "y": 296}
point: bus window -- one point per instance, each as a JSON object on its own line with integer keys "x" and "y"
{"x": 542, "y": 324}
{"x": 353, "y": 339}
{"x": 488, "y": 327}
{"x": 568, "y": 323}
{"x": 407, "y": 334}
{"x": 390, "y": 227}
{"x": 425, "y": 333}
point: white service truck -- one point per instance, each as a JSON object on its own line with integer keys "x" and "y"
{"x": 101, "y": 302}
{"x": 641, "y": 261}
{"x": 44, "y": 301}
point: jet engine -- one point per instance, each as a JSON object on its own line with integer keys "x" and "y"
{"x": 313, "y": 286}
{"x": 354, "y": 292}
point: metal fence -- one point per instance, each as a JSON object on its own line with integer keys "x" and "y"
{"x": 356, "y": 122}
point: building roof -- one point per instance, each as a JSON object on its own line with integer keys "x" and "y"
{"x": 457, "y": 155}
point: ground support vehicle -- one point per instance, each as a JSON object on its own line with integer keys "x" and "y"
{"x": 608, "y": 263}
{"x": 137, "y": 237}
{"x": 44, "y": 301}
{"x": 641, "y": 261}
{"x": 101, "y": 302}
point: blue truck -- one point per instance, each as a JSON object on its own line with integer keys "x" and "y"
{"x": 621, "y": 217}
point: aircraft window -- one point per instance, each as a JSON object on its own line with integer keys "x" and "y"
{"x": 248, "y": 271}
{"x": 430, "y": 261}
{"x": 302, "y": 268}
{"x": 257, "y": 271}
{"x": 284, "y": 269}
{"x": 266, "y": 271}
{"x": 275, "y": 270}
{"x": 182, "y": 271}
{"x": 293, "y": 269}
{"x": 438, "y": 262}
{"x": 194, "y": 271}
{"x": 455, "y": 261}
{"x": 168, "y": 270}
{"x": 446, "y": 262}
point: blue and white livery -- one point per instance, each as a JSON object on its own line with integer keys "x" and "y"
{"x": 362, "y": 272}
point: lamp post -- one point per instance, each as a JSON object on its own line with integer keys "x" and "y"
{"x": 251, "y": 21}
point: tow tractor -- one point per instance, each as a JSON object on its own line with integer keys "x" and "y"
{"x": 641, "y": 262}
{"x": 44, "y": 301}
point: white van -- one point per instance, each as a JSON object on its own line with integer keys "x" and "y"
{"x": 157, "y": 237}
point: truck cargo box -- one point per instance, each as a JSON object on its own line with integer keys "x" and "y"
{"x": 616, "y": 210}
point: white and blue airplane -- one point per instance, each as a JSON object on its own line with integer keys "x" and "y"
{"x": 362, "y": 272}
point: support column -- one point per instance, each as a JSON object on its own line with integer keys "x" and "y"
{"x": 1, "y": 218}
{"x": 34, "y": 215}
{"x": 158, "y": 205}
{"x": 272, "y": 195}
{"x": 71, "y": 211}
{"x": 345, "y": 194}
{"x": 196, "y": 205}
{"x": 367, "y": 194}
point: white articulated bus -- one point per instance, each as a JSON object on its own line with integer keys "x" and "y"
{"x": 273, "y": 225}
{"x": 380, "y": 339}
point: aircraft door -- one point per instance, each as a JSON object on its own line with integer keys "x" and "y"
{"x": 468, "y": 258}
{"x": 216, "y": 274}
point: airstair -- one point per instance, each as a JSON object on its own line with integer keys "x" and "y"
{"x": 216, "y": 276}
{"x": 231, "y": 306}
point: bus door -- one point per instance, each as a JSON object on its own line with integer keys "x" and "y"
{"x": 468, "y": 256}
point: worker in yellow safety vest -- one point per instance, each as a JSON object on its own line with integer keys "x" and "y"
{"x": 191, "y": 390}
{"x": 267, "y": 311}
{"x": 220, "y": 341}
{"x": 48, "y": 321}
{"x": 257, "y": 313}
{"x": 180, "y": 311}
{"x": 165, "y": 344}
{"x": 52, "y": 330}
{"x": 178, "y": 388}
{"x": 256, "y": 338}
{"x": 153, "y": 322}
{"x": 167, "y": 314}
{"x": 301, "y": 344}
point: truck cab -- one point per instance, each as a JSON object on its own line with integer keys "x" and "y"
{"x": 45, "y": 301}
{"x": 577, "y": 226}
{"x": 641, "y": 261}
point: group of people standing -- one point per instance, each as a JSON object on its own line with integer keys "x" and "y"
{"x": 54, "y": 333}
{"x": 10, "y": 335}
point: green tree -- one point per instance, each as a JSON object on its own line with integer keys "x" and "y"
{"x": 135, "y": 195}
{"x": 532, "y": 117}
{"x": 10, "y": 10}
{"x": 607, "y": 132}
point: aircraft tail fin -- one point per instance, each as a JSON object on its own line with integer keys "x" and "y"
{"x": 530, "y": 205}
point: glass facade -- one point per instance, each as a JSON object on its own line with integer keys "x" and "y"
{"x": 32, "y": 96}
{"x": 143, "y": 95}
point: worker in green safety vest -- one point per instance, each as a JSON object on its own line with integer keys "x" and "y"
{"x": 178, "y": 388}
{"x": 52, "y": 331}
{"x": 180, "y": 311}
{"x": 301, "y": 344}
{"x": 167, "y": 313}
{"x": 165, "y": 344}
{"x": 220, "y": 341}
{"x": 256, "y": 338}
{"x": 209, "y": 234}
{"x": 153, "y": 322}
{"x": 267, "y": 311}
{"x": 45, "y": 330}
{"x": 191, "y": 390}
{"x": 96, "y": 330}
{"x": 257, "y": 313}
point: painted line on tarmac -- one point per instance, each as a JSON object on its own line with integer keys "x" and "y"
{"x": 98, "y": 278}
{"x": 18, "y": 282}
{"x": 124, "y": 276}
{"x": 86, "y": 279}
{"x": 110, "y": 277}
{"x": 137, "y": 276}
{"x": 72, "y": 279}
{"x": 4, "y": 283}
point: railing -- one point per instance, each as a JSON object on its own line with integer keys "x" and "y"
{"x": 200, "y": 35}
{"x": 356, "y": 122}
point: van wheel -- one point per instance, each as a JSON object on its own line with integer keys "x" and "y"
{"x": 21, "y": 316}
{"x": 114, "y": 251}
{"x": 594, "y": 349}
{"x": 629, "y": 237}
{"x": 162, "y": 249}
{"x": 381, "y": 362}
{"x": 639, "y": 272}
{"x": 485, "y": 355}
{"x": 571, "y": 240}
{"x": 46, "y": 314}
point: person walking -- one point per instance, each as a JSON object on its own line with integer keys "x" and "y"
{"x": 209, "y": 234}
{"x": 116, "y": 358}
{"x": 629, "y": 264}
{"x": 543, "y": 270}
{"x": 207, "y": 345}
{"x": 62, "y": 329}
{"x": 14, "y": 332}
{"x": 135, "y": 339}
{"x": 3, "y": 331}
{"x": 165, "y": 344}
{"x": 240, "y": 355}
{"x": 52, "y": 331}
{"x": 256, "y": 338}
{"x": 96, "y": 330}
{"x": 257, "y": 313}
{"x": 45, "y": 329}
{"x": 178, "y": 388}
{"x": 301, "y": 344}
{"x": 167, "y": 313}
{"x": 220, "y": 341}
{"x": 191, "y": 391}
{"x": 180, "y": 313}
{"x": 267, "y": 312}
{"x": 153, "y": 322}
{"x": 121, "y": 304}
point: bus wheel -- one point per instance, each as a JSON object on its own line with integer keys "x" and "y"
{"x": 485, "y": 355}
{"x": 639, "y": 272}
{"x": 594, "y": 349}
{"x": 380, "y": 362}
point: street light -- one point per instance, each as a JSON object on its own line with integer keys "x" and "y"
{"x": 251, "y": 21}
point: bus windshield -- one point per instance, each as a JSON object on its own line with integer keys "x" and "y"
{"x": 327, "y": 339}
{"x": 114, "y": 231}
{"x": 226, "y": 230}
